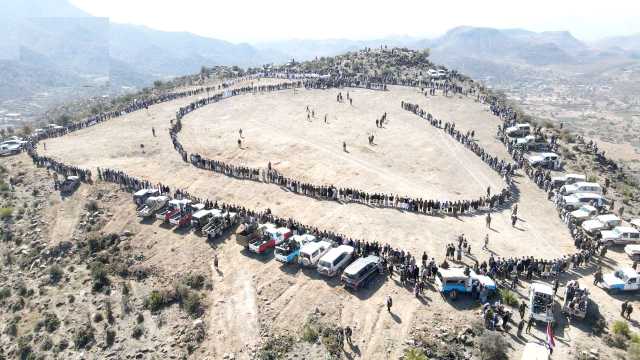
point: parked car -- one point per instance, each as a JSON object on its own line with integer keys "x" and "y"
{"x": 288, "y": 251}
{"x": 531, "y": 143}
{"x": 152, "y": 205}
{"x": 310, "y": 253}
{"x": 584, "y": 213}
{"x": 581, "y": 187}
{"x": 518, "y": 130}
{"x": 359, "y": 272}
{"x": 250, "y": 231}
{"x": 575, "y": 201}
{"x": 219, "y": 223}
{"x": 633, "y": 251}
{"x": 202, "y": 217}
{"x": 335, "y": 260}
{"x": 172, "y": 208}
{"x": 594, "y": 226}
{"x": 140, "y": 196}
{"x": 183, "y": 216}
{"x": 12, "y": 147}
{"x": 620, "y": 235}
{"x": 70, "y": 184}
{"x": 567, "y": 179}
{"x": 456, "y": 281}
{"x": 546, "y": 160}
{"x": 623, "y": 279}
{"x": 541, "y": 302}
{"x": 576, "y": 300}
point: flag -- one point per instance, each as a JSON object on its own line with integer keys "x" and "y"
{"x": 551, "y": 343}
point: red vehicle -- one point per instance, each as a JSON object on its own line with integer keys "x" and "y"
{"x": 184, "y": 214}
{"x": 262, "y": 244}
{"x": 172, "y": 208}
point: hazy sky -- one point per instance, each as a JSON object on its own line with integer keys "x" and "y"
{"x": 260, "y": 20}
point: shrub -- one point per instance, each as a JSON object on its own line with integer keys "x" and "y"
{"x": 24, "y": 349}
{"x": 492, "y": 346}
{"x": 83, "y": 337}
{"x": 195, "y": 281}
{"x": 61, "y": 346}
{"x": 110, "y": 337}
{"x": 55, "y": 274}
{"x": 309, "y": 334}
{"x": 155, "y": 301}
{"x": 138, "y": 331}
{"x": 51, "y": 322}
{"x": 5, "y": 292}
{"x": 635, "y": 338}
{"x": 620, "y": 327}
{"x": 616, "y": 340}
{"x": 99, "y": 276}
{"x": 414, "y": 354}
{"x": 92, "y": 206}
{"x": 191, "y": 304}
{"x": 509, "y": 297}
{"x": 6, "y": 213}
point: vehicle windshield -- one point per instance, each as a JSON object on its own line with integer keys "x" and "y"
{"x": 325, "y": 264}
{"x": 306, "y": 256}
{"x": 617, "y": 232}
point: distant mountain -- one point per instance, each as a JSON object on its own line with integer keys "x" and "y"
{"x": 626, "y": 43}
{"x": 51, "y": 43}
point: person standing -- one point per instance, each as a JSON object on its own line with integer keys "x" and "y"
{"x": 529, "y": 325}
{"x": 486, "y": 242}
{"x": 215, "y": 261}
{"x": 347, "y": 333}
{"x": 389, "y": 303}
{"x": 520, "y": 327}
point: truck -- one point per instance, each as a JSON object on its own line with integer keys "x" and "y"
{"x": 567, "y": 179}
{"x": 518, "y": 130}
{"x": 623, "y": 279}
{"x": 152, "y": 205}
{"x": 271, "y": 236}
{"x": 545, "y": 160}
{"x": 541, "y": 304}
{"x": 171, "y": 209}
{"x": 633, "y": 251}
{"x": 202, "y": 217}
{"x": 335, "y": 260}
{"x": 585, "y": 212}
{"x": 531, "y": 143}
{"x": 575, "y": 201}
{"x": 12, "y": 146}
{"x": 70, "y": 184}
{"x": 359, "y": 272}
{"x": 458, "y": 280}
{"x": 140, "y": 196}
{"x": 581, "y": 187}
{"x": 620, "y": 235}
{"x": 183, "y": 216}
{"x": 576, "y": 300}
{"x": 288, "y": 251}
{"x": 219, "y": 224}
{"x": 594, "y": 226}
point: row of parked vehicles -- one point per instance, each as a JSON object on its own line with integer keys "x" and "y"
{"x": 182, "y": 213}
{"x": 308, "y": 251}
{"x": 525, "y": 140}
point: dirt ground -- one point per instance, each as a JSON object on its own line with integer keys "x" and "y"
{"x": 255, "y": 296}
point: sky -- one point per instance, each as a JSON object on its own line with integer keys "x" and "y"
{"x": 268, "y": 20}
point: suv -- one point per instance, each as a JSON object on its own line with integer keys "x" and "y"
{"x": 620, "y": 235}
{"x": 360, "y": 271}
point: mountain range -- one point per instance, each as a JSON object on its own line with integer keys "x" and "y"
{"x": 47, "y": 44}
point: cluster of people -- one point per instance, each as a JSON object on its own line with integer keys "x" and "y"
{"x": 56, "y": 166}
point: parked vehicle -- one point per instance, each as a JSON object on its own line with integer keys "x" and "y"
{"x": 183, "y": 216}
{"x": 584, "y": 213}
{"x": 140, "y": 196}
{"x": 70, "y": 184}
{"x": 331, "y": 263}
{"x": 620, "y": 235}
{"x": 152, "y": 205}
{"x": 576, "y": 300}
{"x": 623, "y": 279}
{"x": 288, "y": 250}
{"x": 279, "y": 234}
{"x": 575, "y": 201}
{"x": 249, "y": 231}
{"x": 311, "y": 253}
{"x": 268, "y": 240}
{"x": 202, "y": 217}
{"x": 359, "y": 272}
{"x": 12, "y": 147}
{"x": 518, "y": 130}
{"x": 453, "y": 281}
{"x": 541, "y": 302}
{"x": 531, "y": 143}
{"x": 581, "y": 187}
{"x": 633, "y": 251}
{"x": 567, "y": 179}
{"x": 219, "y": 224}
{"x": 546, "y": 160}
{"x": 172, "y": 208}
{"x": 594, "y": 226}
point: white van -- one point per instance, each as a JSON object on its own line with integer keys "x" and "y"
{"x": 335, "y": 260}
{"x": 581, "y": 187}
{"x": 601, "y": 222}
{"x": 311, "y": 253}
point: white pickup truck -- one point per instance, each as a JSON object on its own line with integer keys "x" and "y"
{"x": 620, "y": 235}
{"x": 623, "y": 279}
{"x": 545, "y": 160}
{"x": 601, "y": 222}
{"x": 585, "y": 212}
